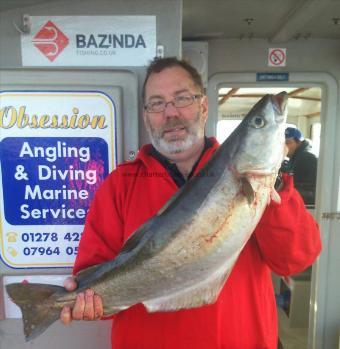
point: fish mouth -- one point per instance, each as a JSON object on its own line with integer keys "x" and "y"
{"x": 279, "y": 119}
{"x": 280, "y": 102}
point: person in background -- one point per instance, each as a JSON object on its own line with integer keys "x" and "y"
{"x": 302, "y": 164}
{"x": 286, "y": 240}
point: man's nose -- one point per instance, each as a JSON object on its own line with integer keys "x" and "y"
{"x": 170, "y": 109}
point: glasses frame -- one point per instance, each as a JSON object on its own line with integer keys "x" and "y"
{"x": 193, "y": 99}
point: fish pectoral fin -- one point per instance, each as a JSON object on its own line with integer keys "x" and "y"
{"x": 274, "y": 195}
{"x": 247, "y": 190}
{"x": 203, "y": 293}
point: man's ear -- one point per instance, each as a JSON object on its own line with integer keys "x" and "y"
{"x": 144, "y": 116}
{"x": 204, "y": 104}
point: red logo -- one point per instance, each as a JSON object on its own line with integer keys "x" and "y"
{"x": 50, "y": 41}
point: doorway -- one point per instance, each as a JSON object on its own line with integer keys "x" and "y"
{"x": 304, "y": 113}
{"x": 322, "y": 129}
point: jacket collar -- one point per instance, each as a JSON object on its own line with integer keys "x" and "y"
{"x": 150, "y": 162}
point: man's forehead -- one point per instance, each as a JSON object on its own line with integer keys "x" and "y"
{"x": 172, "y": 80}
{"x": 175, "y": 93}
{"x": 176, "y": 70}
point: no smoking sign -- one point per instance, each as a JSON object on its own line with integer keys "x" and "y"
{"x": 277, "y": 57}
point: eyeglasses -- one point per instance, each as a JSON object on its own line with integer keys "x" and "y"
{"x": 158, "y": 105}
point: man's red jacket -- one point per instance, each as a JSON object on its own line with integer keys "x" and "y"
{"x": 286, "y": 241}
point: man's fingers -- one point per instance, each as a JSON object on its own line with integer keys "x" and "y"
{"x": 65, "y": 316}
{"x": 98, "y": 307}
{"x": 78, "y": 308}
{"x": 89, "y": 305}
{"x": 70, "y": 283}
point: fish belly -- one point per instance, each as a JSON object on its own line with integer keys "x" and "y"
{"x": 191, "y": 269}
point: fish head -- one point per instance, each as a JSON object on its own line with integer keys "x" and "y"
{"x": 262, "y": 142}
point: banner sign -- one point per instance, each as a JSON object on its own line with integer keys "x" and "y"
{"x": 89, "y": 41}
{"x": 56, "y": 149}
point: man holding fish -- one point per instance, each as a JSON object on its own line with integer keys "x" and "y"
{"x": 208, "y": 226}
{"x": 286, "y": 240}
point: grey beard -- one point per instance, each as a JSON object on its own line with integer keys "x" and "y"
{"x": 195, "y": 134}
{"x": 173, "y": 147}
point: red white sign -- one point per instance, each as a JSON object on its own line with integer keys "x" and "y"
{"x": 50, "y": 40}
{"x": 277, "y": 57}
{"x": 100, "y": 41}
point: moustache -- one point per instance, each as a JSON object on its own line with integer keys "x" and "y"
{"x": 173, "y": 124}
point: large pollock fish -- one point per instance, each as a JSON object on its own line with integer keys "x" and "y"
{"x": 181, "y": 257}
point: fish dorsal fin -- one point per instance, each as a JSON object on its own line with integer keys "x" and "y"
{"x": 247, "y": 190}
{"x": 87, "y": 272}
{"x": 137, "y": 237}
{"x": 135, "y": 242}
{"x": 205, "y": 292}
{"x": 168, "y": 204}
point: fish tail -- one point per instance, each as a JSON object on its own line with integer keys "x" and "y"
{"x": 37, "y": 313}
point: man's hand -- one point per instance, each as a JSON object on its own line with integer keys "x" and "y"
{"x": 88, "y": 306}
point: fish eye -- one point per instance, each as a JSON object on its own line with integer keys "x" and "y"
{"x": 258, "y": 122}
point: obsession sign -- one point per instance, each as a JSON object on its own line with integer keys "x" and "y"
{"x": 56, "y": 149}
{"x": 17, "y": 117}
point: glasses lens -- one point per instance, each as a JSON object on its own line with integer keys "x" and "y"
{"x": 183, "y": 101}
{"x": 156, "y": 106}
